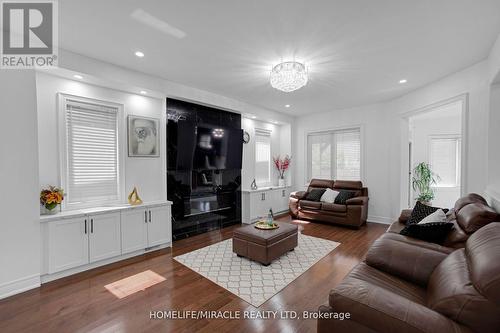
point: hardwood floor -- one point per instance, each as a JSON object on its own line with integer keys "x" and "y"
{"x": 81, "y": 303}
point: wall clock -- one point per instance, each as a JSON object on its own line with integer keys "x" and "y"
{"x": 246, "y": 137}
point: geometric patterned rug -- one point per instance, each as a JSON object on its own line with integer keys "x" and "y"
{"x": 249, "y": 280}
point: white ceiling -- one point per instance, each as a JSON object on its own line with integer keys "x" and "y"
{"x": 356, "y": 50}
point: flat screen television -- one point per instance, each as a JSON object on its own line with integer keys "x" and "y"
{"x": 218, "y": 148}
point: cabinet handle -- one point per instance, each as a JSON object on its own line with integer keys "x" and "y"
{"x": 91, "y": 226}
{"x": 145, "y": 216}
{"x": 149, "y": 216}
{"x": 85, "y": 226}
{"x": 283, "y": 193}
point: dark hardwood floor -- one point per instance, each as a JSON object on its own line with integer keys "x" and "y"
{"x": 80, "y": 303}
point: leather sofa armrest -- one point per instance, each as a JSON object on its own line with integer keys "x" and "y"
{"x": 405, "y": 215}
{"x": 298, "y": 194}
{"x": 408, "y": 261}
{"x": 357, "y": 201}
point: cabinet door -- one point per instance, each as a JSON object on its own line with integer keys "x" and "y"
{"x": 134, "y": 229}
{"x": 68, "y": 243}
{"x": 104, "y": 236}
{"x": 280, "y": 200}
{"x": 159, "y": 226}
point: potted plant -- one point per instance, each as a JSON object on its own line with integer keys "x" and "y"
{"x": 422, "y": 180}
{"x": 282, "y": 165}
{"x": 51, "y": 198}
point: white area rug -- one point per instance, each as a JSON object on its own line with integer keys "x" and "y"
{"x": 250, "y": 280}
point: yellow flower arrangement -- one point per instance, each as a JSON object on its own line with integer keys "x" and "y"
{"x": 51, "y": 197}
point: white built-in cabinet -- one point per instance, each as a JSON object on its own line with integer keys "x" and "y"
{"x": 82, "y": 240}
{"x": 256, "y": 203}
{"x": 145, "y": 228}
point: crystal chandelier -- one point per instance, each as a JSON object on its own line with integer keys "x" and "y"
{"x": 288, "y": 76}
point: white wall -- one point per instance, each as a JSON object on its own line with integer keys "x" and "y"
{"x": 19, "y": 205}
{"x": 145, "y": 173}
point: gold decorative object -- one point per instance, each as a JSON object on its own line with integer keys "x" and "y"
{"x": 133, "y": 197}
{"x": 266, "y": 226}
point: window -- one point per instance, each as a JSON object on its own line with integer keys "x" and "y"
{"x": 91, "y": 156}
{"x": 335, "y": 155}
{"x": 445, "y": 160}
{"x": 262, "y": 157}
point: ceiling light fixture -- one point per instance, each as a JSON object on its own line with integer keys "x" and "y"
{"x": 403, "y": 81}
{"x": 79, "y": 77}
{"x": 139, "y": 54}
{"x": 287, "y": 105}
{"x": 144, "y": 92}
{"x": 288, "y": 76}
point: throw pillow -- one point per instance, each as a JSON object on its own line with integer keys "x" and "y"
{"x": 329, "y": 195}
{"x": 343, "y": 196}
{"x": 438, "y": 216}
{"x": 434, "y": 232}
{"x": 315, "y": 194}
{"x": 420, "y": 211}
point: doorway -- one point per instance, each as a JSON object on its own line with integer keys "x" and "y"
{"x": 435, "y": 140}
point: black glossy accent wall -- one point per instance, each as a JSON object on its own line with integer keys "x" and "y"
{"x": 204, "y": 146}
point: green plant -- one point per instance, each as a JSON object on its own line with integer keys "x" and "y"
{"x": 422, "y": 180}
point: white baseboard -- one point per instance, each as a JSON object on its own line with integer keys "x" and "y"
{"x": 380, "y": 219}
{"x": 18, "y": 286}
{"x": 493, "y": 198}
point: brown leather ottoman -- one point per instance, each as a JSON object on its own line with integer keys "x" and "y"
{"x": 264, "y": 245}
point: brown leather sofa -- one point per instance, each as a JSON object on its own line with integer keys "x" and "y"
{"x": 409, "y": 285}
{"x": 353, "y": 213}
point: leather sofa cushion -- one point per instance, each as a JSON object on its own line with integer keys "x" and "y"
{"x": 310, "y": 205}
{"x": 475, "y": 216}
{"x": 385, "y": 303}
{"x": 468, "y": 199}
{"x": 332, "y": 207}
{"x": 348, "y": 184}
{"x": 320, "y": 183}
{"x": 406, "y": 260}
{"x": 451, "y": 292}
{"x": 482, "y": 250}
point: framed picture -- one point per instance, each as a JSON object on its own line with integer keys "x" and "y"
{"x": 143, "y": 137}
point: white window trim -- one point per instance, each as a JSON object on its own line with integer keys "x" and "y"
{"x": 451, "y": 137}
{"x": 63, "y": 156}
{"x": 359, "y": 127}
{"x": 264, "y": 132}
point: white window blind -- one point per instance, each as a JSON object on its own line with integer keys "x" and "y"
{"x": 92, "y": 152}
{"x": 320, "y": 156}
{"x": 445, "y": 160}
{"x": 262, "y": 157}
{"x": 335, "y": 154}
{"x": 347, "y": 155}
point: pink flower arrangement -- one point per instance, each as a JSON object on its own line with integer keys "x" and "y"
{"x": 282, "y": 164}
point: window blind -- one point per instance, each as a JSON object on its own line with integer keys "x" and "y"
{"x": 335, "y": 154}
{"x": 445, "y": 160}
{"x": 262, "y": 157}
{"x": 347, "y": 155}
{"x": 92, "y": 152}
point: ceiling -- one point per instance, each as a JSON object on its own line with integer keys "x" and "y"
{"x": 356, "y": 50}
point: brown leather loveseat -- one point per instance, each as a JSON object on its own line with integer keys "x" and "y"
{"x": 353, "y": 213}
{"x": 409, "y": 285}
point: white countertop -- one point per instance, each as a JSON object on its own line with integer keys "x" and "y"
{"x": 98, "y": 210}
{"x": 267, "y": 188}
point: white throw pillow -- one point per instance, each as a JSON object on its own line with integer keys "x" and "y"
{"x": 329, "y": 195}
{"x": 438, "y": 216}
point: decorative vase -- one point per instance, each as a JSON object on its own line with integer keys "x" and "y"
{"x": 45, "y": 211}
{"x": 281, "y": 182}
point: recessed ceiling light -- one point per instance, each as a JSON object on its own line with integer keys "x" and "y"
{"x": 139, "y": 54}
{"x": 254, "y": 117}
{"x": 144, "y": 92}
{"x": 79, "y": 77}
{"x": 403, "y": 81}
{"x": 287, "y": 105}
